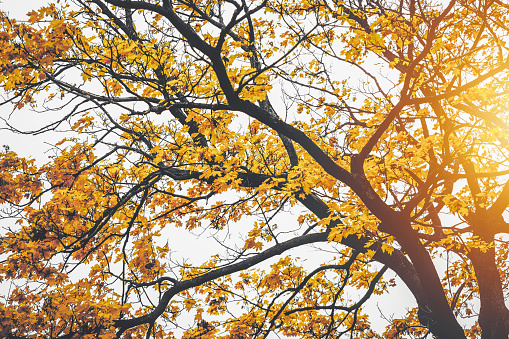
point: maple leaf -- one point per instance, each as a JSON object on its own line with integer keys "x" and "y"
{"x": 244, "y": 133}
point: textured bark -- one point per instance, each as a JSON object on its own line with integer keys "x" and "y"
{"x": 493, "y": 315}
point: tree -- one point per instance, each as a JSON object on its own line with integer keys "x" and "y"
{"x": 374, "y": 130}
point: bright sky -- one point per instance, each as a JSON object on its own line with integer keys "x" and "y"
{"x": 18, "y": 8}
{"x": 397, "y": 303}
{"x": 25, "y": 119}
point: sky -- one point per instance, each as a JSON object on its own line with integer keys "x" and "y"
{"x": 395, "y": 304}
{"x": 26, "y": 119}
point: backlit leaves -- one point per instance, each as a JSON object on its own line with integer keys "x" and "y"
{"x": 376, "y": 132}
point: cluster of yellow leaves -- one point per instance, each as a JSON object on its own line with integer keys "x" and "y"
{"x": 19, "y": 178}
{"x": 28, "y": 53}
{"x": 73, "y": 309}
{"x": 410, "y": 325}
{"x": 301, "y": 316}
{"x": 111, "y": 210}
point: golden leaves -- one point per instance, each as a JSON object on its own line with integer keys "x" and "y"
{"x": 162, "y": 147}
{"x": 49, "y": 310}
{"x": 19, "y": 178}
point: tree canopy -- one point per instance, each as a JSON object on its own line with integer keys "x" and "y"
{"x": 375, "y": 131}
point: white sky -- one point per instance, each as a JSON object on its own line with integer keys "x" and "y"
{"x": 22, "y": 144}
{"x": 395, "y": 304}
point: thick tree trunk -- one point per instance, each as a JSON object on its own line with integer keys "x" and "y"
{"x": 493, "y": 315}
{"x": 439, "y": 318}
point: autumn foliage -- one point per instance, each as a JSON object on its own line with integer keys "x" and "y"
{"x": 311, "y": 150}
